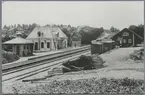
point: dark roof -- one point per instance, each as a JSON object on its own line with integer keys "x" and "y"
{"x": 96, "y": 42}
{"x": 102, "y": 41}
{"x": 76, "y": 33}
{"x": 110, "y": 36}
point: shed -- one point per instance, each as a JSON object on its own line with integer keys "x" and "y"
{"x": 20, "y": 46}
{"x": 96, "y": 47}
{"x": 108, "y": 45}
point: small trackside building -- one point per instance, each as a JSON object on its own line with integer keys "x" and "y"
{"x": 101, "y": 46}
{"x": 20, "y": 46}
{"x": 96, "y": 47}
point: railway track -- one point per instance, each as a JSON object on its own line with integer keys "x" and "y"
{"x": 9, "y": 67}
{"x": 39, "y": 64}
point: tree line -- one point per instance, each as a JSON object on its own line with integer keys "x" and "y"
{"x": 87, "y": 33}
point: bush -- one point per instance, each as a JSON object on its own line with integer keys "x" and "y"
{"x": 8, "y": 57}
{"x": 137, "y": 55}
{"x": 102, "y": 86}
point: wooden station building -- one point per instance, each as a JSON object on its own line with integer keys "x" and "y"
{"x": 126, "y": 38}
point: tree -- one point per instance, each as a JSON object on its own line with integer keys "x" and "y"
{"x": 5, "y": 27}
{"x": 6, "y": 38}
{"x": 92, "y": 34}
{"x": 33, "y": 26}
{"x": 15, "y": 25}
{"x": 132, "y": 27}
{"x": 141, "y": 30}
{"x": 113, "y": 30}
{"x": 138, "y": 29}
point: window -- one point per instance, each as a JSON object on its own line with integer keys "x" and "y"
{"x": 48, "y": 45}
{"x": 124, "y": 40}
{"x": 38, "y": 33}
{"x": 42, "y": 45}
{"x": 125, "y": 34}
{"x": 129, "y": 41}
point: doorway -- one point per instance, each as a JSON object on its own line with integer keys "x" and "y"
{"x": 36, "y": 46}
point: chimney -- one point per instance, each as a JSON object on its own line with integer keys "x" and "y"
{"x": 18, "y": 34}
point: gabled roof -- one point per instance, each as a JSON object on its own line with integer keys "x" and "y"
{"x": 136, "y": 34}
{"x": 76, "y": 33}
{"x": 48, "y": 32}
{"x": 56, "y": 31}
{"x": 18, "y": 40}
{"x": 44, "y": 29}
{"x": 123, "y": 30}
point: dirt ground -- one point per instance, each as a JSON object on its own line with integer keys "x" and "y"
{"x": 118, "y": 65}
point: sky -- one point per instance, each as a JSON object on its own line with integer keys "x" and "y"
{"x": 119, "y": 14}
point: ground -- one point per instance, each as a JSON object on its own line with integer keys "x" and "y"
{"x": 118, "y": 65}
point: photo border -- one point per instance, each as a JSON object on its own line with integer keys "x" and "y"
{"x": 2, "y": 1}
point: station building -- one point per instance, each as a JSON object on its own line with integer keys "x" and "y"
{"x": 47, "y": 38}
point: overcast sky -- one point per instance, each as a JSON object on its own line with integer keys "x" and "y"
{"x": 93, "y": 13}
